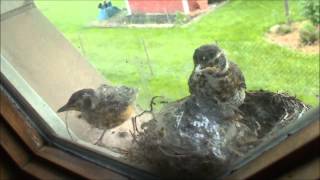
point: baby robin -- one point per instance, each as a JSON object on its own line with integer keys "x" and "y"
{"x": 217, "y": 82}
{"x": 215, "y": 78}
{"x": 103, "y": 108}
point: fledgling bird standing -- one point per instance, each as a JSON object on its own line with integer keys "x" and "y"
{"x": 103, "y": 108}
{"x": 215, "y": 78}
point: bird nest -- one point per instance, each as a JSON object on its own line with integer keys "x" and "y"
{"x": 186, "y": 141}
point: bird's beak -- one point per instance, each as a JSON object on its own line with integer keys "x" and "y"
{"x": 64, "y": 108}
{"x": 211, "y": 69}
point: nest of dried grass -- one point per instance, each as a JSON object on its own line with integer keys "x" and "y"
{"x": 264, "y": 112}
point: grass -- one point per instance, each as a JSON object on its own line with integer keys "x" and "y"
{"x": 238, "y": 27}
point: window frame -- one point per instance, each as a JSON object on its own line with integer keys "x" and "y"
{"x": 42, "y": 142}
{"x": 74, "y": 157}
{"x": 39, "y": 138}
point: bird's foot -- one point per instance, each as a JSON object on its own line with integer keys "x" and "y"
{"x": 99, "y": 142}
{"x": 120, "y": 150}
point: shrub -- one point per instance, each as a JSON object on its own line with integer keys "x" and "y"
{"x": 281, "y": 29}
{"x": 309, "y": 34}
{"x": 181, "y": 18}
{"x": 284, "y": 29}
{"x": 311, "y": 10}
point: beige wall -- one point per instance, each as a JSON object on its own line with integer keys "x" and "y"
{"x": 8, "y": 5}
{"x": 44, "y": 58}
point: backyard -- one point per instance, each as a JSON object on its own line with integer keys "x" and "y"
{"x": 239, "y": 27}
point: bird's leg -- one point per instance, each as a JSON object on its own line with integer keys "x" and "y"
{"x": 135, "y": 126}
{"x": 133, "y": 122}
{"x": 99, "y": 141}
{"x": 134, "y": 119}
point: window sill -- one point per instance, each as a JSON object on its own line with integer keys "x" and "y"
{"x": 34, "y": 155}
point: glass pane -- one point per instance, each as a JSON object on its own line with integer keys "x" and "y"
{"x": 207, "y": 112}
{"x": 13, "y": 4}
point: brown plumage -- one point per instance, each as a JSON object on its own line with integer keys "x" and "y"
{"x": 216, "y": 79}
{"x": 103, "y": 108}
{"x": 190, "y": 137}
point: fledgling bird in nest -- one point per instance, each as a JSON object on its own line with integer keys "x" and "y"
{"x": 105, "y": 107}
{"x": 215, "y": 79}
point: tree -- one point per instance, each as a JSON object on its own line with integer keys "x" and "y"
{"x": 287, "y": 11}
{"x": 311, "y": 10}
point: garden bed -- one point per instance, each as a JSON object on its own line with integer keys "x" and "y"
{"x": 292, "y": 40}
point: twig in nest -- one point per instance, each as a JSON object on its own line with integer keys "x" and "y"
{"x": 134, "y": 125}
{"x": 134, "y": 119}
{"x": 119, "y": 150}
{"x": 171, "y": 155}
{"x": 134, "y": 137}
{"x": 115, "y": 149}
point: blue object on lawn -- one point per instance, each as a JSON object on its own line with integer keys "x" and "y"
{"x": 102, "y": 14}
{"x": 112, "y": 10}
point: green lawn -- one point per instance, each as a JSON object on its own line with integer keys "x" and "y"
{"x": 238, "y": 27}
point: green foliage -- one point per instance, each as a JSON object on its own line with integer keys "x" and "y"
{"x": 238, "y": 27}
{"x": 181, "y": 18}
{"x": 309, "y": 34}
{"x": 311, "y": 10}
{"x": 214, "y": 1}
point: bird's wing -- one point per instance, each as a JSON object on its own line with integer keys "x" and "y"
{"x": 125, "y": 94}
{"x": 191, "y": 83}
{"x": 238, "y": 75}
{"x": 116, "y": 93}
